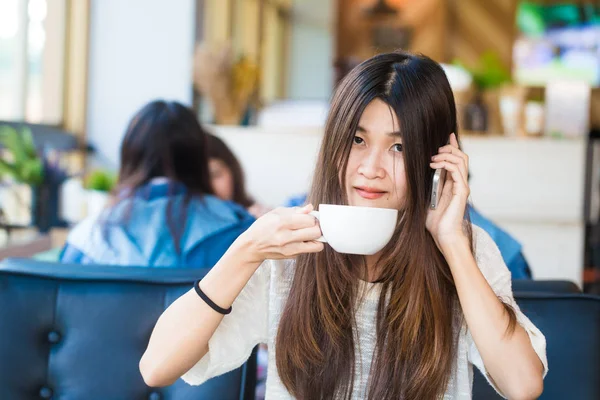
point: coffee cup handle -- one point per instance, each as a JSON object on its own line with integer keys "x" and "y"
{"x": 318, "y": 216}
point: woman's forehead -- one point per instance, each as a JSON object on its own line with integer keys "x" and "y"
{"x": 379, "y": 118}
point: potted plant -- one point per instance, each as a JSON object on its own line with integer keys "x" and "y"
{"x": 20, "y": 159}
{"x": 21, "y": 163}
{"x": 98, "y": 184}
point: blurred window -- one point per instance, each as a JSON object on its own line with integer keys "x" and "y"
{"x": 32, "y": 60}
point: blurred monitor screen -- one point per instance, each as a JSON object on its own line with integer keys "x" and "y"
{"x": 557, "y": 42}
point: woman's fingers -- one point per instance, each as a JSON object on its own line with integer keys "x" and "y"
{"x": 453, "y": 159}
{"x": 456, "y": 162}
{"x": 295, "y": 232}
{"x": 310, "y": 247}
{"x": 299, "y": 221}
{"x": 453, "y": 140}
{"x": 453, "y": 154}
{"x": 305, "y": 234}
{"x": 453, "y": 148}
{"x": 292, "y": 218}
{"x": 296, "y": 248}
{"x": 460, "y": 183}
{"x": 305, "y": 209}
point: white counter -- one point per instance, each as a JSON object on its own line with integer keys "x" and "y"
{"x": 534, "y": 189}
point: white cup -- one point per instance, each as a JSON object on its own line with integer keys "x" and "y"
{"x": 356, "y": 230}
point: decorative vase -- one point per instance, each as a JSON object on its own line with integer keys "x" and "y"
{"x": 491, "y": 98}
{"x": 476, "y": 115}
{"x": 44, "y": 207}
{"x": 512, "y": 104}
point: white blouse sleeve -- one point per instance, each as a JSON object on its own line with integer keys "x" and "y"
{"x": 239, "y": 332}
{"x": 497, "y": 274}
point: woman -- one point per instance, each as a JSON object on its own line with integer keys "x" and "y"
{"x": 227, "y": 176}
{"x": 164, "y": 213}
{"x": 406, "y": 323}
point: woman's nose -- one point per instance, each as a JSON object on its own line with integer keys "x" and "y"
{"x": 371, "y": 166}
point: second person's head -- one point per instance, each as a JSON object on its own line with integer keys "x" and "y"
{"x": 165, "y": 140}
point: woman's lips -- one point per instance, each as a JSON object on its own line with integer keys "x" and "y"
{"x": 369, "y": 193}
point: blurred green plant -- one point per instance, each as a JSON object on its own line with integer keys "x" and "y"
{"x": 19, "y": 158}
{"x": 489, "y": 72}
{"x": 530, "y": 19}
{"x": 534, "y": 19}
{"x": 100, "y": 180}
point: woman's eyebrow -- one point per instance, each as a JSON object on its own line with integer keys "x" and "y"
{"x": 394, "y": 134}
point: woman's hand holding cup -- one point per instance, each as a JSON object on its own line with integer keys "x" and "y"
{"x": 282, "y": 233}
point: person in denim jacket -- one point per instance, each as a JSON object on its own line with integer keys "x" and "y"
{"x": 163, "y": 212}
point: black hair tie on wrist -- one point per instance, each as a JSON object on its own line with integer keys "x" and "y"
{"x": 208, "y": 301}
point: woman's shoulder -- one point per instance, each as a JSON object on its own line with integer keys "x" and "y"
{"x": 483, "y": 244}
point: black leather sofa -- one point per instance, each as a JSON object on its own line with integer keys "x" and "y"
{"x": 78, "y": 332}
{"x": 544, "y": 286}
{"x": 571, "y": 325}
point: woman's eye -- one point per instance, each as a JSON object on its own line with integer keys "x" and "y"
{"x": 397, "y": 147}
{"x": 358, "y": 140}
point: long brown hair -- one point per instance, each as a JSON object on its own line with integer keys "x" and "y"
{"x": 418, "y": 313}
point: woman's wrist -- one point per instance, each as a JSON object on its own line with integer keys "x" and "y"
{"x": 454, "y": 246}
{"x": 244, "y": 251}
{"x": 223, "y": 283}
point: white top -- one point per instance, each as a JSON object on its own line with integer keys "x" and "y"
{"x": 257, "y": 310}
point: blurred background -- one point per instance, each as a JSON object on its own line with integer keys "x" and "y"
{"x": 259, "y": 74}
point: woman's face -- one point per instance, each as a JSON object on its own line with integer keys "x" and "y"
{"x": 221, "y": 179}
{"x": 375, "y": 175}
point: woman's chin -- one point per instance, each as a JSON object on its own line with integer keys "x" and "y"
{"x": 379, "y": 203}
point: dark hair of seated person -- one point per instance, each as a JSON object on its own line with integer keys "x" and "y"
{"x": 165, "y": 139}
